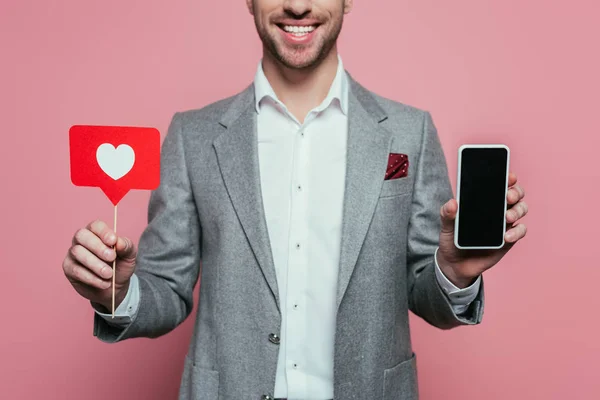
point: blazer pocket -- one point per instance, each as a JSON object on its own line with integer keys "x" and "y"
{"x": 198, "y": 383}
{"x": 400, "y": 381}
{"x": 396, "y": 187}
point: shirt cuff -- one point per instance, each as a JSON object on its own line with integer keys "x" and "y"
{"x": 460, "y": 299}
{"x": 128, "y": 307}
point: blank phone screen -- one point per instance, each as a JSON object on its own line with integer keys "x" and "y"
{"x": 482, "y": 197}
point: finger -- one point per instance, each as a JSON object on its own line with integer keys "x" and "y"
{"x": 448, "y": 215}
{"x": 76, "y": 272}
{"x": 512, "y": 178}
{"x": 100, "y": 229}
{"x": 515, "y": 194}
{"x": 516, "y": 212}
{"x": 125, "y": 249}
{"x": 90, "y": 241}
{"x": 88, "y": 260}
{"x": 516, "y": 233}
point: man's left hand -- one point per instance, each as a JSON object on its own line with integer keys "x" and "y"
{"x": 462, "y": 267}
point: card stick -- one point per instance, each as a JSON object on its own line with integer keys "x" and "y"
{"x": 114, "y": 265}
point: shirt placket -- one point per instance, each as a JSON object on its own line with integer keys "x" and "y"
{"x": 297, "y": 267}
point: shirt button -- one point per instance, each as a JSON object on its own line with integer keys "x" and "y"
{"x": 273, "y": 338}
{"x": 295, "y": 366}
{"x": 299, "y": 187}
{"x": 298, "y": 245}
{"x": 295, "y": 306}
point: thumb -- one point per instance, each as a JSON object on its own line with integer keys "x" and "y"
{"x": 126, "y": 249}
{"x": 448, "y": 215}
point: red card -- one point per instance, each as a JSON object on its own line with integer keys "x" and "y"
{"x": 115, "y": 158}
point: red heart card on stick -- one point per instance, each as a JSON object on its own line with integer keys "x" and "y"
{"x": 116, "y": 159}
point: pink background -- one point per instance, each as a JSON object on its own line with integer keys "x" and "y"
{"x": 524, "y": 73}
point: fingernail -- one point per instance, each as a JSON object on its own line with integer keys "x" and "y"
{"x": 106, "y": 272}
{"x": 107, "y": 253}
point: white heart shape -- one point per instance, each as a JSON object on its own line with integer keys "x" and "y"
{"x": 116, "y": 163}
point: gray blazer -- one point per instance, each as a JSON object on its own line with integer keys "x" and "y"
{"x": 208, "y": 210}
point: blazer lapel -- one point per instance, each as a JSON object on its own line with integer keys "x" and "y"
{"x": 237, "y": 155}
{"x": 367, "y": 156}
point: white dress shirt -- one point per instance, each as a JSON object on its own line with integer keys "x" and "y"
{"x": 302, "y": 173}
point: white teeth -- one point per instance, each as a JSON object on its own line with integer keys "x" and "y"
{"x": 299, "y": 30}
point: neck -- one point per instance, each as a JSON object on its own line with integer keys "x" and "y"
{"x": 301, "y": 90}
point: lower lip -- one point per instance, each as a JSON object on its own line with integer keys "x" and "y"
{"x": 293, "y": 39}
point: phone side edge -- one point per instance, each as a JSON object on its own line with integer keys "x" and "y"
{"x": 505, "y": 193}
{"x": 458, "y": 173}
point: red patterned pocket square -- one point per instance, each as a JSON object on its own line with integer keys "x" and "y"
{"x": 397, "y": 166}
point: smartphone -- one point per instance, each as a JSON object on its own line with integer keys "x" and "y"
{"x": 482, "y": 187}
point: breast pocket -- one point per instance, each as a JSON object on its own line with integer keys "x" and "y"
{"x": 396, "y": 187}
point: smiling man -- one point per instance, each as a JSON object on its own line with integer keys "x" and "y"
{"x": 321, "y": 214}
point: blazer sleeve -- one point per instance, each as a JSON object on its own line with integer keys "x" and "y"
{"x": 432, "y": 189}
{"x": 168, "y": 260}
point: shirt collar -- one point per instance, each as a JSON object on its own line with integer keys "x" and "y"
{"x": 338, "y": 90}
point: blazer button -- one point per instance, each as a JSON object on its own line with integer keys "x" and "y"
{"x": 273, "y": 338}
{"x": 267, "y": 397}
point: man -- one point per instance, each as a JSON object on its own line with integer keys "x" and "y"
{"x": 311, "y": 256}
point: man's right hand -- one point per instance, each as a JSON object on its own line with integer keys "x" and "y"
{"x": 88, "y": 264}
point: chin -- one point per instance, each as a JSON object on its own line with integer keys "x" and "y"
{"x": 298, "y": 58}
{"x": 299, "y": 62}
